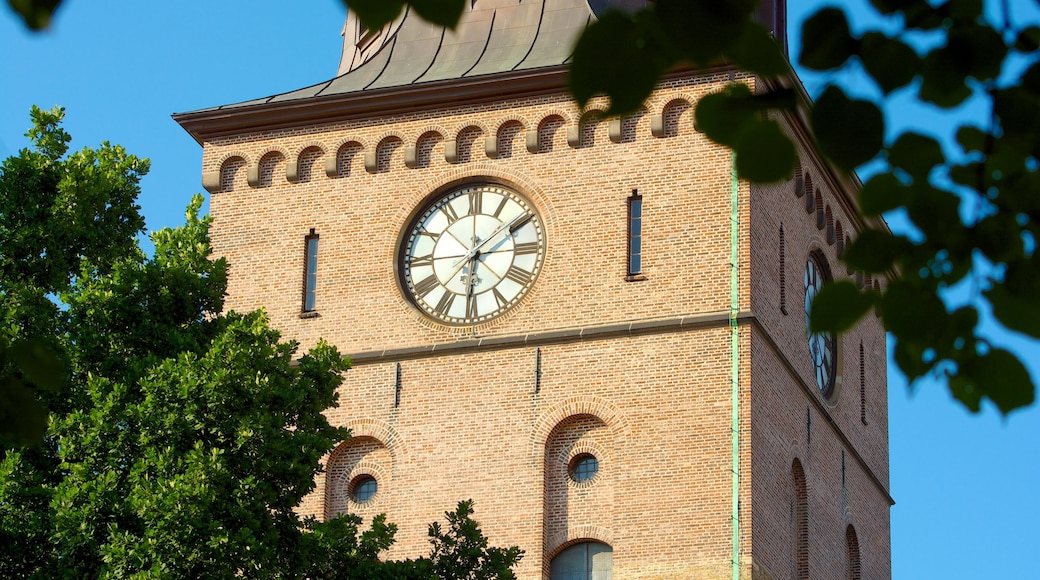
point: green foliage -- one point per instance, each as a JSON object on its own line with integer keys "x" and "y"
{"x": 992, "y": 248}
{"x": 36, "y": 13}
{"x": 180, "y": 438}
{"x": 462, "y": 552}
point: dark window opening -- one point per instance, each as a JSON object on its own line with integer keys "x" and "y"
{"x": 363, "y": 488}
{"x": 635, "y": 236}
{"x": 583, "y": 467}
{"x": 310, "y": 275}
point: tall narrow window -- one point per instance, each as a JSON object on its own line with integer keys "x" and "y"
{"x": 310, "y": 275}
{"x": 783, "y": 273}
{"x": 801, "y": 521}
{"x": 852, "y": 547}
{"x": 862, "y": 386}
{"x": 635, "y": 236}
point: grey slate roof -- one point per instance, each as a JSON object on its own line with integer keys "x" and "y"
{"x": 493, "y": 36}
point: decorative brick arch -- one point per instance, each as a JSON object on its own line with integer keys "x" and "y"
{"x": 598, "y": 407}
{"x": 800, "y": 513}
{"x": 377, "y": 160}
{"x": 501, "y": 144}
{"x": 420, "y": 155}
{"x": 302, "y": 168}
{"x": 338, "y": 475}
{"x": 310, "y": 145}
{"x": 460, "y": 150}
{"x": 376, "y": 429}
{"x": 340, "y": 163}
{"x": 666, "y": 123}
{"x": 223, "y": 179}
{"x": 575, "y": 535}
{"x": 854, "y": 567}
{"x": 231, "y": 155}
{"x": 583, "y": 133}
{"x": 542, "y": 139}
{"x": 263, "y": 174}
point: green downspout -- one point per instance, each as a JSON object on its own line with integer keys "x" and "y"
{"x": 734, "y": 331}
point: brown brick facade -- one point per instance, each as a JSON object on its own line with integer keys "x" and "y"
{"x": 636, "y": 373}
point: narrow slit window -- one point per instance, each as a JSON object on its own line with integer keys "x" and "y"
{"x": 783, "y": 273}
{"x": 635, "y": 234}
{"x": 310, "y": 279}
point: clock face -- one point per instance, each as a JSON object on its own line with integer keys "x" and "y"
{"x": 823, "y": 346}
{"x": 472, "y": 254}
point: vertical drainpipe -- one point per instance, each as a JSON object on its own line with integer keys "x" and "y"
{"x": 734, "y": 308}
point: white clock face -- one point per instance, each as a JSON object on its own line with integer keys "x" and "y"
{"x": 823, "y": 347}
{"x": 472, "y": 254}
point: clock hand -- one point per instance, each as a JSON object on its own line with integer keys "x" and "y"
{"x": 476, "y": 249}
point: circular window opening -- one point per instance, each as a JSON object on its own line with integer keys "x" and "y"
{"x": 363, "y": 488}
{"x": 583, "y": 467}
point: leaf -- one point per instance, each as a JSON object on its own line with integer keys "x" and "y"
{"x": 724, "y": 115}
{"x": 999, "y": 375}
{"x": 38, "y": 363}
{"x": 36, "y": 13}
{"x": 374, "y": 14}
{"x": 876, "y": 251}
{"x": 972, "y": 138}
{"x": 826, "y": 41}
{"x": 1028, "y": 39}
{"x": 1014, "y": 300}
{"x": 23, "y": 420}
{"x": 916, "y": 154}
{"x": 616, "y": 56}
{"x": 755, "y": 50}
{"x": 703, "y": 29}
{"x": 837, "y": 307}
{"x": 442, "y": 12}
{"x": 890, "y": 62}
{"x": 883, "y": 192}
{"x": 849, "y": 131}
{"x": 764, "y": 153}
{"x": 912, "y": 313}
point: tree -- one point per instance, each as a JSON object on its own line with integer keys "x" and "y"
{"x": 182, "y": 438}
{"x": 976, "y": 211}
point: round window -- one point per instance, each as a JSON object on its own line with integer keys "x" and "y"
{"x": 363, "y": 488}
{"x": 583, "y": 467}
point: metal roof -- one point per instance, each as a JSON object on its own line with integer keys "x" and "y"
{"x": 493, "y": 36}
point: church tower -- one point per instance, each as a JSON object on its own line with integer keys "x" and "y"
{"x": 588, "y": 326}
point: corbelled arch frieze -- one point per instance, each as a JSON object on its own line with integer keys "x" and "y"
{"x": 540, "y": 135}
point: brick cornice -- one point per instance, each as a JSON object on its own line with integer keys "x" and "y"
{"x": 208, "y": 124}
{"x": 569, "y": 335}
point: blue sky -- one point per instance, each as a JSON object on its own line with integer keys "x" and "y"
{"x": 967, "y": 486}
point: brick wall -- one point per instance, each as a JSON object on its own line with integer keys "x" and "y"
{"x": 473, "y": 419}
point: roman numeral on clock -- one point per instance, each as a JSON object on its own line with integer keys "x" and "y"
{"x": 444, "y": 304}
{"x": 476, "y": 202}
{"x": 500, "y": 300}
{"x": 526, "y": 248}
{"x": 419, "y": 261}
{"x": 449, "y": 212}
{"x": 518, "y": 275}
{"x": 426, "y": 285}
{"x": 471, "y": 307}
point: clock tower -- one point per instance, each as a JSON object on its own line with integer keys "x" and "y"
{"x": 589, "y": 326}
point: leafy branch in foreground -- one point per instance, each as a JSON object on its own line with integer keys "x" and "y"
{"x": 975, "y": 212}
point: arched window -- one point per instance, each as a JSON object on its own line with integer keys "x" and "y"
{"x": 852, "y": 544}
{"x": 584, "y": 561}
{"x": 801, "y": 522}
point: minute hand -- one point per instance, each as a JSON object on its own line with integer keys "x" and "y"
{"x": 473, "y": 251}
